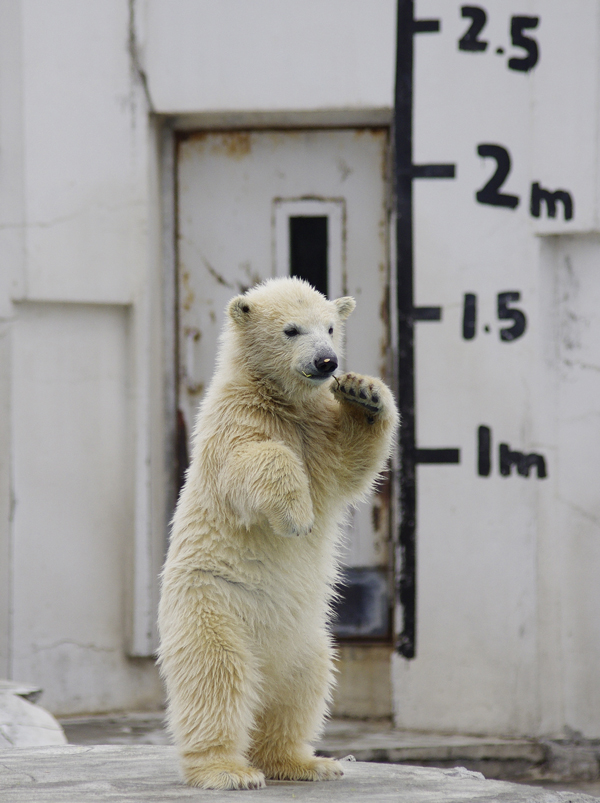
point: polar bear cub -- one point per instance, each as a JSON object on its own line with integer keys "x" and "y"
{"x": 281, "y": 447}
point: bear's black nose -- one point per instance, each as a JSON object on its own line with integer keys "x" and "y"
{"x": 326, "y": 365}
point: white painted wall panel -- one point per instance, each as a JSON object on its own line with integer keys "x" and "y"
{"x": 73, "y": 520}
{"x": 507, "y": 634}
{"x": 12, "y": 198}
{"x": 565, "y": 112}
{"x": 577, "y": 341}
{"x": 5, "y": 501}
{"x": 269, "y": 54}
{"x": 85, "y": 140}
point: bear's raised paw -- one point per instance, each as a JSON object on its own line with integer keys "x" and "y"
{"x": 363, "y": 391}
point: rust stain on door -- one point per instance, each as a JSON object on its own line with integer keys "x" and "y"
{"x": 234, "y": 144}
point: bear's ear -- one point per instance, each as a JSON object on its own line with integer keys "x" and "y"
{"x": 344, "y": 306}
{"x": 238, "y": 310}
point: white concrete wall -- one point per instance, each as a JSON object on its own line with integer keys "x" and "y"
{"x": 506, "y": 619}
{"x": 74, "y": 503}
{"x": 268, "y": 55}
{"x": 85, "y": 350}
{"x": 507, "y": 635}
{"x": 82, "y": 358}
{"x": 572, "y": 559}
{"x": 87, "y": 375}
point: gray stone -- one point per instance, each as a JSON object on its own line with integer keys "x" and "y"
{"x": 128, "y": 728}
{"x": 371, "y": 742}
{"x": 76, "y": 774}
{"x": 26, "y": 690}
{"x": 576, "y": 761}
{"x": 23, "y": 724}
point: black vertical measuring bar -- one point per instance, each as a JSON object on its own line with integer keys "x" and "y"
{"x": 406, "y": 589}
{"x": 406, "y": 171}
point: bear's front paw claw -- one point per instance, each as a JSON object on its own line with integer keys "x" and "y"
{"x": 360, "y": 391}
{"x": 299, "y": 530}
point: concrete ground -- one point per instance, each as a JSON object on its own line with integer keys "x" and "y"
{"x": 148, "y": 773}
{"x": 556, "y": 766}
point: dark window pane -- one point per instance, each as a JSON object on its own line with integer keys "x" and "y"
{"x": 362, "y": 608}
{"x": 308, "y": 250}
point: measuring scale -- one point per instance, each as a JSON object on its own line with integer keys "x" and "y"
{"x": 496, "y": 152}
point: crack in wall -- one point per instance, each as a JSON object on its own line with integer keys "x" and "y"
{"x": 134, "y": 55}
{"x": 67, "y": 642}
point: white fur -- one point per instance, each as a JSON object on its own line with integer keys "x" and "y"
{"x": 278, "y": 455}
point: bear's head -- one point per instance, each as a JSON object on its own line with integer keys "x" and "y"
{"x": 285, "y": 331}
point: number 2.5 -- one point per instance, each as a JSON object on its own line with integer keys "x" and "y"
{"x": 471, "y": 42}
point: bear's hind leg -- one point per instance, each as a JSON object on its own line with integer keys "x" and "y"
{"x": 294, "y": 717}
{"x": 212, "y": 684}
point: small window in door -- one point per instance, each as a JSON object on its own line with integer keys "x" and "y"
{"x": 308, "y": 242}
{"x": 308, "y": 249}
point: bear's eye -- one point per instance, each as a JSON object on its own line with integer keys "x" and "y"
{"x": 331, "y": 330}
{"x": 292, "y": 331}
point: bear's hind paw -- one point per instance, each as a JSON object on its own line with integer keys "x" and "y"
{"x": 314, "y": 769}
{"x": 223, "y": 775}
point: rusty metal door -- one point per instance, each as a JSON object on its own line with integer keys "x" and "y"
{"x": 314, "y": 203}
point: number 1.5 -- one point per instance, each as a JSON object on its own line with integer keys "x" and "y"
{"x": 505, "y": 312}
